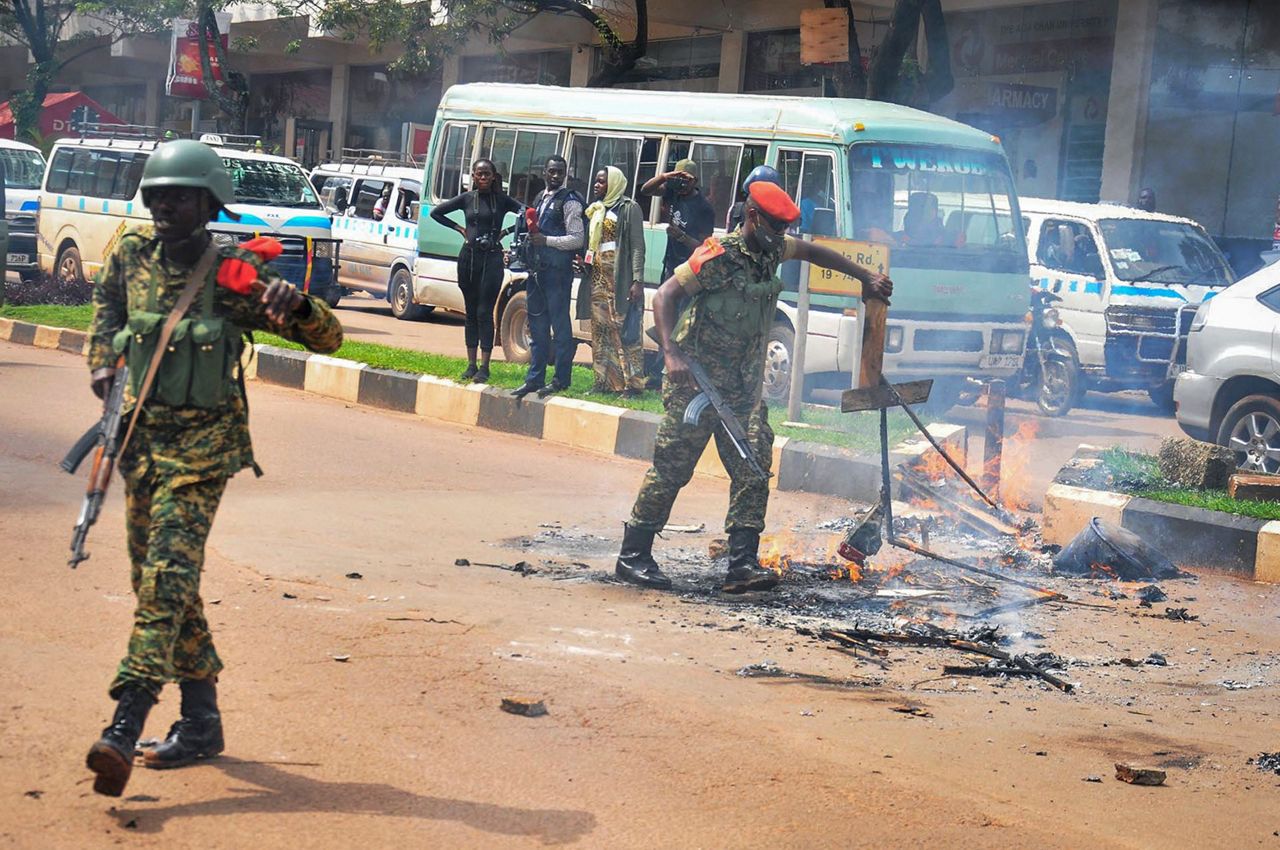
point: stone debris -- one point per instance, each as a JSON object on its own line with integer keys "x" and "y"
{"x": 524, "y": 706}
{"x": 1267, "y": 762}
{"x": 1191, "y": 463}
{"x": 1139, "y": 775}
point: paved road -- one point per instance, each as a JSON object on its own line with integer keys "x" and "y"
{"x": 1037, "y": 453}
{"x": 651, "y": 738}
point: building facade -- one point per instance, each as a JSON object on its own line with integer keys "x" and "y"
{"x": 1093, "y": 99}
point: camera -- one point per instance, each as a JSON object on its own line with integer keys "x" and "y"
{"x": 485, "y": 242}
{"x": 678, "y": 184}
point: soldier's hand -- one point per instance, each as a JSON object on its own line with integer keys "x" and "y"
{"x": 677, "y": 366}
{"x": 101, "y": 380}
{"x": 281, "y": 298}
{"x": 878, "y": 286}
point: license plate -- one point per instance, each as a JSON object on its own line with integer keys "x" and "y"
{"x": 1000, "y": 361}
{"x": 17, "y": 259}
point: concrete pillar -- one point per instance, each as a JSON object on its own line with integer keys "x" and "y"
{"x": 1127, "y": 101}
{"x": 580, "y": 67}
{"x": 339, "y": 103}
{"x": 733, "y": 49}
{"x": 151, "y": 110}
{"x": 450, "y": 72}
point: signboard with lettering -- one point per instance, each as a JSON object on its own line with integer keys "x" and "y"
{"x": 186, "y": 74}
{"x": 871, "y": 255}
{"x": 1022, "y": 105}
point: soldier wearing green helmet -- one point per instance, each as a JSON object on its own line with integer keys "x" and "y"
{"x": 192, "y": 434}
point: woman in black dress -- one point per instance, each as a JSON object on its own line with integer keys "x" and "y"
{"x": 480, "y": 260}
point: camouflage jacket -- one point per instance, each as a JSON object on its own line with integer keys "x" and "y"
{"x": 192, "y": 443}
{"x": 734, "y": 295}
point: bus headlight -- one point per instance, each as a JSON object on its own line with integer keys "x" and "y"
{"x": 1006, "y": 342}
{"x": 893, "y": 339}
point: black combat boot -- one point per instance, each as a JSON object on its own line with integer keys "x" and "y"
{"x": 745, "y": 572}
{"x": 635, "y": 561}
{"x": 112, "y": 757}
{"x": 197, "y": 735}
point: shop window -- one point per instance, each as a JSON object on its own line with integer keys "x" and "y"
{"x": 547, "y": 67}
{"x": 775, "y": 64}
{"x": 675, "y": 64}
{"x": 455, "y": 160}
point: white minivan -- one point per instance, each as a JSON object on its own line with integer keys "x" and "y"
{"x": 1130, "y": 283}
{"x": 91, "y": 196}
{"x": 23, "y": 174}
{"x": 374, "y": 204}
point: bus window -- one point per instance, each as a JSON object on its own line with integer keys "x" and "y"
{"x": 648, "y": 169}
{"x": 455, "y": 160}
{"x": 590, "y": 153}
{"x": 718, "y": 173}
{"x": 520, "y": 156}
{"x": 809, "y": 178}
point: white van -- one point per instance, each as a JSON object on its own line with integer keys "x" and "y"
{"x": 91, "y": 196}
{"x": 1130, "y": 283}
{"x": 374, "y": 204}
{"x": 23, "y": 173}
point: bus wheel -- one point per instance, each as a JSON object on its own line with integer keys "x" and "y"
{"x": 69, "y": 268}
{"x": 515, "y": 329}
{"x": 777, "y": 363}
{"x": 402, "y": 306}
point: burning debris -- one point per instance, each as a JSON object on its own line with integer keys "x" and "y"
{"x": 1105, "y": 550}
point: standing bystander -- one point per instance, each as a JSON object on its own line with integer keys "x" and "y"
{"x": 615, "y": 244}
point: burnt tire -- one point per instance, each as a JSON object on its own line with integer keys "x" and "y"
{"x": 779, "y": 356}
{"x": 515, "y": 329}
{"x": 1251, "y": 429}
{"x": 400, "y": 292}
{"x": 69, "y": 267}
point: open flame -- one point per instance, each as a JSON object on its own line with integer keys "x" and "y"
{"x": 1015, "y": 482}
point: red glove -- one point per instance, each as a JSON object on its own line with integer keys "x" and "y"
{"x": 239, "y": 276}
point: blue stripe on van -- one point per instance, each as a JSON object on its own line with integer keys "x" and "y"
{"x": 82, "y": 203}
{"x": 245, "y": 218}
{"x": 307, "y": 221}
{"x": 128, "y": 208}
{"x": 1147, "y": 292}
{"x": 59, "y": 202}
{"x": 106, "y": 206}
{"x": 1093, "y": 288}
{"x": 28, "y": 206}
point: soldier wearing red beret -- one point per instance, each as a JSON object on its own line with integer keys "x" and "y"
{"x": 733, "y": 288}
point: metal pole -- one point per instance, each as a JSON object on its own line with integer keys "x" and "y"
{"x": 993, "y": 445}
{"x": 798, "y": 350}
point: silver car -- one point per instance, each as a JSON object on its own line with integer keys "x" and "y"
{"x": 1230, "y": 392}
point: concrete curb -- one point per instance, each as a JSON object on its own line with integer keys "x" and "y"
{"x": 588, "y": 426}
{"x": 1194, "y": 538}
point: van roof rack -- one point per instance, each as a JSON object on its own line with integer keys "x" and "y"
{"x": 121, "y": 132}
{"x": 236, "y": 141}
{"x": 370, "y": 161}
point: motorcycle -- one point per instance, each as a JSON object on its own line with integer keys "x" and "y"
{"x": 1049, "y": 373}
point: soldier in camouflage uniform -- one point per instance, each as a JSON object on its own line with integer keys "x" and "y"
{"x": 733, "y": 288}
{"x": 192, "y": 435}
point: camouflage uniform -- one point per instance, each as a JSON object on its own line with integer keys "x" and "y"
{"x": 734, "y": 294}
{"x": 179, "y": 459}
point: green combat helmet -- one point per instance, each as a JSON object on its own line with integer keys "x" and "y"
{"x": 184, "y": 162}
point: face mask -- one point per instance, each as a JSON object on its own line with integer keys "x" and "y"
{"x": 768, "y": 240}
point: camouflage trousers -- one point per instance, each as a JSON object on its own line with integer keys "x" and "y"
{"x": 168, "y": 519}
{"x": 679, "y": 446}
{"x": 618, "y": 366}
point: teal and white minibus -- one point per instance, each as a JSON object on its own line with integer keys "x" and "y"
{"x": 930, "y": 195}
{"x": 91, "y": 196}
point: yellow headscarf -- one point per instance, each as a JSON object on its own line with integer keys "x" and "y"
{"x": 615, "y": 188}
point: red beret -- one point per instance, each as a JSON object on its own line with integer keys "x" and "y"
{"x": 773, "y": 201}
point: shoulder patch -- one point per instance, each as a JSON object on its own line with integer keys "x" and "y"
{"x": 708, "y": 250}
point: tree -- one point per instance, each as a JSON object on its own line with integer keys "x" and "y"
{"x": 39, "y": 25}
{"x": 231, "y": 93}
{"x": 428, "y": 31}
{"x": 891, "y": 74}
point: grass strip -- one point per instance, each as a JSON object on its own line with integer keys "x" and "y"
{"x": 858, "y": 432}
{"x": 1138, "y": 474}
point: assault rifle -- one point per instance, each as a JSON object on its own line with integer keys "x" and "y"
{"x": 105, "y": 436}
{"x": 710, "y": 396}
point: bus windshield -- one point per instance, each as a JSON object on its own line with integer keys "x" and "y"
{"x": 23, "y": 169}
{"x": 1164, "y": 252}
{"x": 936, "y": 207}
{"x": 264, "y": 182}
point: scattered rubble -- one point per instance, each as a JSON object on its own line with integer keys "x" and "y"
{"x": 1151, "y": 593}
{"x": 1267, "y": 762}
{"x": 524, "y": 568}
{"x": 523, "y": 706}
{"x": 354, "y": 576}
{"x": 1139, "y": 775}
{"x": 1191, "y": 463}
{"x": 1180, "y": 614}
{"x": 341, "y": 658}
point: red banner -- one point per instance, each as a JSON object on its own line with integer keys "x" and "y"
{"x": 186, "y": 76}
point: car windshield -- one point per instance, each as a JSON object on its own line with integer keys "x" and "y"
{"x": 936, "y": 207}
{"x": 1164, "y": 252}
{"x": 23, "y": 169}
{"x": 265, "y": 182}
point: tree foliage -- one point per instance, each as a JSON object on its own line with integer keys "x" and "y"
{"x": 42, "y": 26}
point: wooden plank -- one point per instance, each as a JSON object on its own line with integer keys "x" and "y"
{"x": 824, "y": 36}
{"x": 1254, "y": 488}
{"x": 874, "y": 315}
{"x": 874, "y": 398}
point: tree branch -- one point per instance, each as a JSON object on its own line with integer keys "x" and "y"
{"x": 886, "y": 68}
{"x": 938, "y": 79}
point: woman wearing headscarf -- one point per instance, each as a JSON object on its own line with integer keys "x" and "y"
{"x": 615, "y": 243}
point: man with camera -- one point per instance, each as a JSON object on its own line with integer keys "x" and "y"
{"x": 560, "y": 235}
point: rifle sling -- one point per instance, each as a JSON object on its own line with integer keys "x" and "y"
{"x": 199, "y": 275}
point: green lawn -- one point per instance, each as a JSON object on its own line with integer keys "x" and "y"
{"x": 1139, "y": 475}
{"x": 856, "y": 431}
